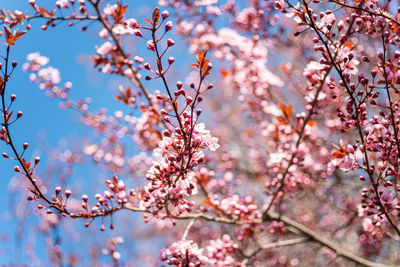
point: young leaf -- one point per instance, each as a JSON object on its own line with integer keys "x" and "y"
{"x": 147, "y": 20}
{"x": 156, "y": 16}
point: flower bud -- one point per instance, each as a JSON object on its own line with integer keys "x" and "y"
{"x": 147, "y": 66}
{"x": 397, "y": 77}
{"x": 68, "y": 193}
{"x": 166, "y": 133}
{"x": 165, "y": 14}
{"x": 57, "y": 190}
{"x": 340, "y": 25}
{"x": 168, "y": 26}
{"x": 170, "y": 42}
{"x": 133, "y": 24}
{"x": 150, "y": 45}
{"x": 137, "y": 33}
{"x": 171, "y": 60}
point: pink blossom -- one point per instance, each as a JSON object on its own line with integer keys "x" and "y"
{"x": 183, "y": 253}
{"x": 110, "y": 9}
{"x": 105, "y": 48}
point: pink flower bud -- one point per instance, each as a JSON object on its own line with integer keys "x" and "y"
{"x": 68, "y": 193}
{"x": 85, "y": 198}
{"x": 57, "y": 190}
{"x": 150, "y": 45}
{"x": 340, "y": 25}
{"x": 121, "y": 185}
{"x": 37, "y": 159}
{"x": 13, "y": 97}
{"x": 107, "y": 194}
{"x": 17, "y": 169}
{"x": 171, "y": 60}
{"x": 133, "y": 24}
{"x": 165, "y": 14}
{"x": 19, "y": 114}
{"x": 5, "y": 155}
{"x": 168, "y": 26}
{"x": 397, "y": 77}
{"x": 170, "y": 42}
{"x": 25, "y": 145}
{"x": 147, "y": 66}
{"x": 137, "y": 33}
{"x": 14, "y": 64}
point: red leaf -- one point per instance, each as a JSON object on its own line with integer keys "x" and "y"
{"x": 7, "y": 32}
{"x": 156, "y": 16}
{"x": 147, "y": 20}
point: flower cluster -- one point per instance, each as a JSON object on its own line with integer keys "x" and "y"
{"x": 183, "y": 253}
{"x": 171, "y": 177}
{"x": 219, "y": 252}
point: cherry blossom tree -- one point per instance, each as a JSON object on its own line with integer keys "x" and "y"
{"x": 276, "y": 145}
